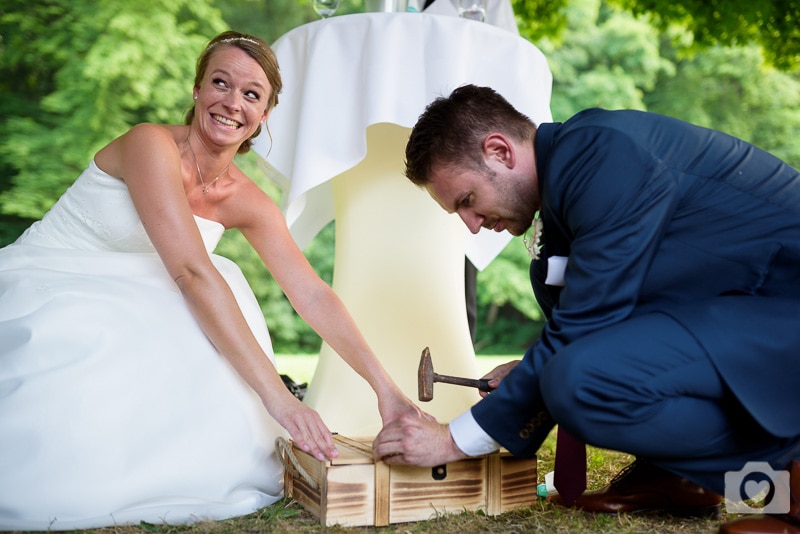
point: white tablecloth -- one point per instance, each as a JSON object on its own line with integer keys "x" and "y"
{"x": 345, "y": 73}
{"x": 354, "y": 86}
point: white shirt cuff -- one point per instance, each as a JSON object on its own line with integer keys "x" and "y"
{"x": 470, "y": 437}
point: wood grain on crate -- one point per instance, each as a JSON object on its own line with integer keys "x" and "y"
{"x": 352, "y": 490}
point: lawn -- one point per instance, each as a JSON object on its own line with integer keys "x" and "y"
{"x": 541, "y": 517}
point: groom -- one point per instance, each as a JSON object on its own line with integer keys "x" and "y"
{"x": 670, "y": 273}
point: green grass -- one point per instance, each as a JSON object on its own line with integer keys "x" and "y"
{"x": 541, "y": 517}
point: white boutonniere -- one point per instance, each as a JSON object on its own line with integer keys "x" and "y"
{"x": 536, "y": 239}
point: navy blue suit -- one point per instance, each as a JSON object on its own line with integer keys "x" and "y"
{"x": 676, "y": 335}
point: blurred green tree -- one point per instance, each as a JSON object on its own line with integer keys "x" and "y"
{"x": 772, "y": 24}
{"x": 605, "y": 56}
{"x": 735, "y": 90}
{"x": 76, "y": 73}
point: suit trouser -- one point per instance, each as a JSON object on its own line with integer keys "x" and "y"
{"x": 648, "y": 388}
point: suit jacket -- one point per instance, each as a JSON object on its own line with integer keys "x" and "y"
{"x": 655, "y": 214}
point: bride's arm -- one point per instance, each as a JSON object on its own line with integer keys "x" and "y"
{"x": 264, "y": 226}
{"x": 148, "y": 160}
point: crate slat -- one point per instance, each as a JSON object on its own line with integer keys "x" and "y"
{"x": 353, "y": 490}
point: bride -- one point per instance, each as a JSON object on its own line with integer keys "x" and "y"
{"x": 137, "y": 380}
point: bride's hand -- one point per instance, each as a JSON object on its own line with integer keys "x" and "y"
{"x": 306, "y": 428}
{"x": 392, "y": 407}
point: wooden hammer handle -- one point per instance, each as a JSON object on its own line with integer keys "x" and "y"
{"x": 482, "y": 384}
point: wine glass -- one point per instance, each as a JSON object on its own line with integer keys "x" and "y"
{"x": 326, "y": 8}
{"x": 472, "y": 9}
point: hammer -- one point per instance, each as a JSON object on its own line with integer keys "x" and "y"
{"x": 426, "y": 377}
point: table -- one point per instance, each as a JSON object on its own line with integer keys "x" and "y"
{"x": 354, "y": 86}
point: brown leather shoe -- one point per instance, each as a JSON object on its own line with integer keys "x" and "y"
{"x": 764, "y": 524}
{"x": 643, "y": 487}
{"x": 773, "y": 523}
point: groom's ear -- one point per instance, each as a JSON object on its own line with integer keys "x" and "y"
{"x": 497, "y": 147}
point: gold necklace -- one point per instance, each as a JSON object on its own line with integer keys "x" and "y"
{"x": 200, "y": 174}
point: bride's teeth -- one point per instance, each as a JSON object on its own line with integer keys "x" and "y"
{"x": 226, "y": 122}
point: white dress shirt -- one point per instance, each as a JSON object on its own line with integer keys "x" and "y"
{"x": 470, "y": 437}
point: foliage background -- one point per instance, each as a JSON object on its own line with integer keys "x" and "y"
{"x": 76, "y": 73}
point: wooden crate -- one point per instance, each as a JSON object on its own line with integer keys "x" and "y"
{"x": 352, "y": 490}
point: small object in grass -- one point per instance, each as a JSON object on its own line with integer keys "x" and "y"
{"x": 548, "y": 488}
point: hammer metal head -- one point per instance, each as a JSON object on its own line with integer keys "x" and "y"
{"x": 425, "y": 376}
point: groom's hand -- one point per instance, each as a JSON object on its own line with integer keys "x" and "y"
{"x": 416, "y": 440}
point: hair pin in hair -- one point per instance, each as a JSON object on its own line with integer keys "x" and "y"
{"x": 242, "y": 38}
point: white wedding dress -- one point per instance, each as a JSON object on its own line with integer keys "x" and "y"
{"x": 114, "y": 406}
